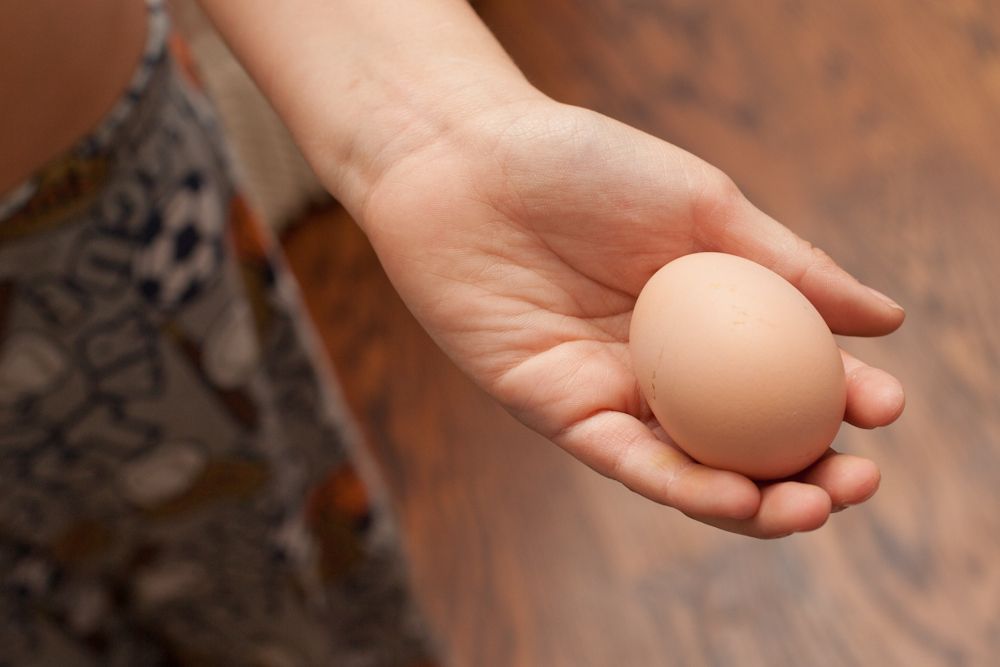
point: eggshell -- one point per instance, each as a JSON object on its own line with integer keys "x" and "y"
{"x": 738, "y": 367}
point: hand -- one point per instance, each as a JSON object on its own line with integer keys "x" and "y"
{"x": 521, "y": 239}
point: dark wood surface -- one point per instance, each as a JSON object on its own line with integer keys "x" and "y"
{"x": 871, "y": 128}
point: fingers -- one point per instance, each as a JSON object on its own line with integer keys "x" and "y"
{"x": 848, "y": 480}
{"x": 833, "y": 483}
{"x": 785, "y": 508}
{"x": 848, "y": 307}
{"x": 621, "y": 447}
{"x": 874, "y": 398}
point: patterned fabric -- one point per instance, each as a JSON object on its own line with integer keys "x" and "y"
{"x": 175, "y": 482}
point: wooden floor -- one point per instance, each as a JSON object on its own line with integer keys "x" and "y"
{"x": 873, "y": 129}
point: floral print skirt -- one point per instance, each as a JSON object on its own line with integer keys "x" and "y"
{"x": 177, "y": 482}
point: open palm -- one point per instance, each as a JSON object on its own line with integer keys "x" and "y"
{"x": 521, "y": 246}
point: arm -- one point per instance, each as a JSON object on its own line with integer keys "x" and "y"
{"x": 519, "y": 232}
{"x": 361, "y": 83}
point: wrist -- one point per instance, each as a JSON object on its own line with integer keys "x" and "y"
{"x": 363, "y": 85}
{"x": 400, "y": 118}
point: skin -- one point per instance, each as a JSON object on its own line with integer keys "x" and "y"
{"x": 64, "y": 66}
{"x": 519, "y": 232}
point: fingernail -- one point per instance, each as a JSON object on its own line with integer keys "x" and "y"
{"x": 884, "y": 299}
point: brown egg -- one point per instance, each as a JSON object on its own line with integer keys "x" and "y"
{"x": 738, "y": 367}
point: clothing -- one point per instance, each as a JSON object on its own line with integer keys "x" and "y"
{"x": 176, "y": 480}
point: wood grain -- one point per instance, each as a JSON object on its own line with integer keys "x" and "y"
{"x": 869, "y": 128}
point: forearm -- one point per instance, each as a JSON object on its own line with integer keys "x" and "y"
{"x": 362, "y": 83}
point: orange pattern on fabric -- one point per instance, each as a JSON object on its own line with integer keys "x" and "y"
{"x": 344, "y": 492}
{"x": 245, "y": 229}
{"x": 65, "y": 188}
{"x": 250, "y": 245}
{"x": 184, "y": 58}
{"x": 336, "y": 513}
{"x": 222, "y": 480}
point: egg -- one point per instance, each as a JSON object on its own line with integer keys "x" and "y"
{"x": 737, "y": 365}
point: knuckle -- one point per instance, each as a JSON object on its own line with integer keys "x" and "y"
{"x": 622, "y": 463}
{"x": 716, "y": 197}
{"x": 815, "y": 261}
{"x": 819, "y": 257}
{"x": 722, "y": 188}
